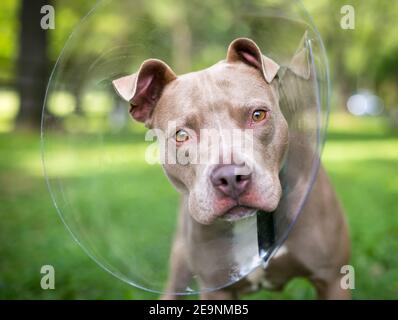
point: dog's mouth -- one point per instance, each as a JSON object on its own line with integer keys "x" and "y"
{"x": 237, "y": 213}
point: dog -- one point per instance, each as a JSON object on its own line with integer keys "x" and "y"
{"x": 243, "y": 92}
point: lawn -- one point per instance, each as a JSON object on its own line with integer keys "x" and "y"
{"x": 361, "y": 156}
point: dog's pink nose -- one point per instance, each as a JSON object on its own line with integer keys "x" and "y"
{"x": 232, "y": 180}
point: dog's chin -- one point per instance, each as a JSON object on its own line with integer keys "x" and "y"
{"x": 237, "y": 213}
{"x": 228, "y": 210}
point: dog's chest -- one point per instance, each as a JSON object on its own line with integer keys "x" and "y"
{"x": 259, "y": 278}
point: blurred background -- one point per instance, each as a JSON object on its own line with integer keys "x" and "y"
{"x": 361, "y": 153}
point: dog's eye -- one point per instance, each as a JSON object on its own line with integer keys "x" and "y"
{"x": 259, "y": 115}
{"x": 182, "y": 135}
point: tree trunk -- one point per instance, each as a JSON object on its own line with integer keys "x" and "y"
{"x": 182, "y": 41}
{"x": 32, "y": 63}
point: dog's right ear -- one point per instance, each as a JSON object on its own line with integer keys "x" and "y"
{"x": 144, "y": 88}
{"x": 247, "y": 51}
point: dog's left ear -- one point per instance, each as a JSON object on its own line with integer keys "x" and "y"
{"x": 247, "y": 51}
{"x": 144, "y": 88}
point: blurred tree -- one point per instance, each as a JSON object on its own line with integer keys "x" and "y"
{"x": 32, "y": 63}
{"x": 365, "y": 57}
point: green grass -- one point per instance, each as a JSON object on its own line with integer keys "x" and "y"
{"x": 361, "y": 156}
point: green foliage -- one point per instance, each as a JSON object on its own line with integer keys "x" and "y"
{"x": 9, "y": 29}
{"x": 366, "y": 56}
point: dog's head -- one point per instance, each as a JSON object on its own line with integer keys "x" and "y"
{"x": 225, "y": 125}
